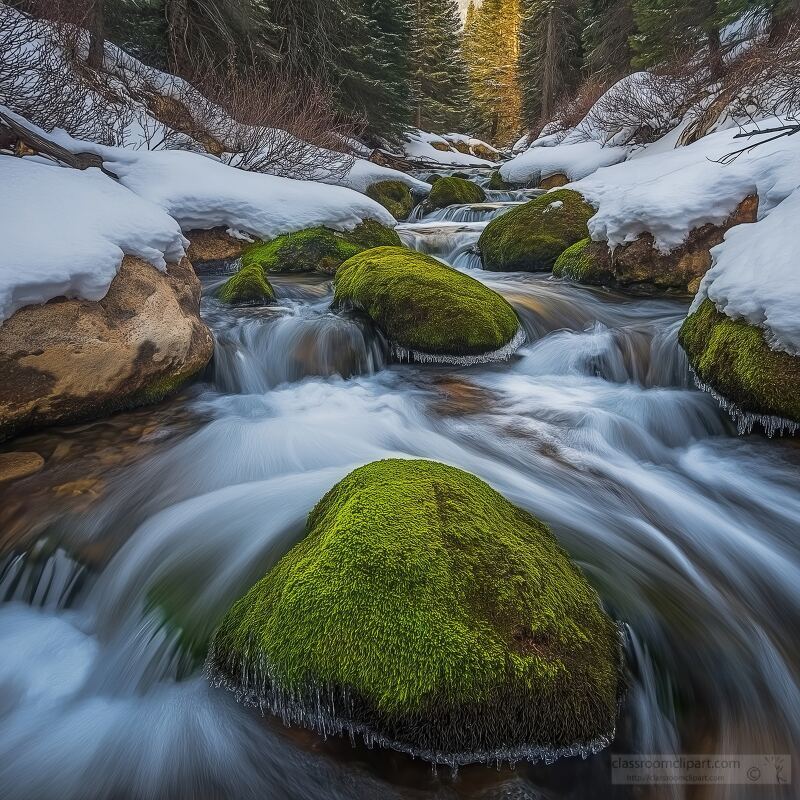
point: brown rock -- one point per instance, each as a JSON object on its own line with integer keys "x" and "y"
{"x": 19, "y": 465}
{"x": 554, "y": 181}
{"x": 213, "y": 245}
{"x": 69, "y": 360}
{"x": 639, "y": 266}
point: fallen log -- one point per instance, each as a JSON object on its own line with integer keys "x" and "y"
{"x": 24, "y": 141}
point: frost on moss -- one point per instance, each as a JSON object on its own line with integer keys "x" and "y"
{"x": 249, "y": 286}
{"x": 532, "y": 236}
{"x": 425, "y": 611}
{"x": 423, "y": 306}
{"x": 735, "y": 361}
{"x": 317, "y": 248}
{"x": 579, "y": 263}
{"x": 453, "y": 191}
{"x": 394, "y": 196}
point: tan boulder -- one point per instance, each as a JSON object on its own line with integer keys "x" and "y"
{"x": 69, "y": 360}
{"x": 639, "y": 266}
{"x": 553, "y": 181}
{"x": 215, "y": 244}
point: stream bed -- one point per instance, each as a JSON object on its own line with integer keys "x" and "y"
{"x": 121, "y": 556}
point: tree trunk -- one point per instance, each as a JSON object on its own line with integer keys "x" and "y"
{"x": 715, "y": 65}
{"x": 548, "y": 69}
{"x": 97, "y": 39}
{"x": 177, "y": 12}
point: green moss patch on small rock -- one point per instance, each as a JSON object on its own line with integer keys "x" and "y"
{"x": 320, "y": 248}
{"x": 733, "y": 359}
{"x": 394, "y": 196}
{"x": 427, "y": 310}
{"x": 426, "y": 612}
{"x": 579, "y": 262}
{"x": 496, "y": 182}
{"x": 248, "y": 286}
{"x": 532, "y": 236}
{"x": 453, "y": 191}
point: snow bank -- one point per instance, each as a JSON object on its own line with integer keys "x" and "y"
{"x": 364, "y": 173}
{"x": 201, "y": 192}
{"x": 576, "y": 161}
{"x": 756, "y": 275}
{"x": 668, "y": 194}
{"x": 66, "y": 231}
{"x": 419, "y": 145}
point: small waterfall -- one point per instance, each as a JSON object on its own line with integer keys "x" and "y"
{"x": 49, "y": 581}
{"x": 264, "y": 348}
{"x": 476, "y": 212}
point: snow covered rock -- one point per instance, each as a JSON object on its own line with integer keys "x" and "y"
{"x": 73, "y": 359}
{"x": 742, "y": 335}
{"x": 565, "y": 162}
{"x": 422, "y": 146}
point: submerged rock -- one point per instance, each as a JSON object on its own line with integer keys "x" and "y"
{"x": 427, "y": 310}
{"x": 248, "y": 286}
{"x": 732, "y": 359}
{"x": 319, "y": 248}
{"x": 453, "y": 191}
{"x": 532, "y": 236}
{"x": 427, "y": 613}
{"x": 70, "y": 360}
{"x": 394, "y": 196}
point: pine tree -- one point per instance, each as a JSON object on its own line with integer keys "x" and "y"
{"x": 607, "y": 28}
{"x": 372, "y": 70}
{"x": 491, "y": 52}
{"x": 550, "y": 56}
{"x": 667, "y": 29}
{"x": 438, "y": 72}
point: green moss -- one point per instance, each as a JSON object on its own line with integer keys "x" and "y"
{"x": 317, "y": 248}
{"x": 248, "y": 286}
{"x": 579, "y": 263}
{"x": 496, "y": 182}
{"x": 734, "y": 359}
{"x": 532, "y": 236}
{"x": 431, "y": 179}
{"x": 453, "y": 191}
{"x": 424, "y": 305}
{"x": 394, "y": 196}
{"x": 423, "y": 606}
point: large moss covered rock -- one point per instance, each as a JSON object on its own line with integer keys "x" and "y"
{"x": 394, "y": 196}
{"x": 319, "y": 248}
{"x": 453, "y": 191}
{"x": 247, "y": 286}
{"x": 733, "y": 359}
{"x": 426, "y": 612}
{"x": 532, "y": 236}
{"x": 427, "y": 310}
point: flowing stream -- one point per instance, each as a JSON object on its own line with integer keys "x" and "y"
{"x": 122, "y": 555}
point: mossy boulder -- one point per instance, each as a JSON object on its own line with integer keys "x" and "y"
{"x": 532, "y": 236}
{"x": 581, "y": 262}
{"x": 733, "y": 358}
{"x": 496, "y": 182}
{"x": 427, "y": 310}
{"x": 452, "y": 191}
{"x": 248, "y": 286}
{"x": 394, "y": 196}
{"x": 426, "y": 612}
{"x": 431, "y": 179}
{"x": 318, "y": 248}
